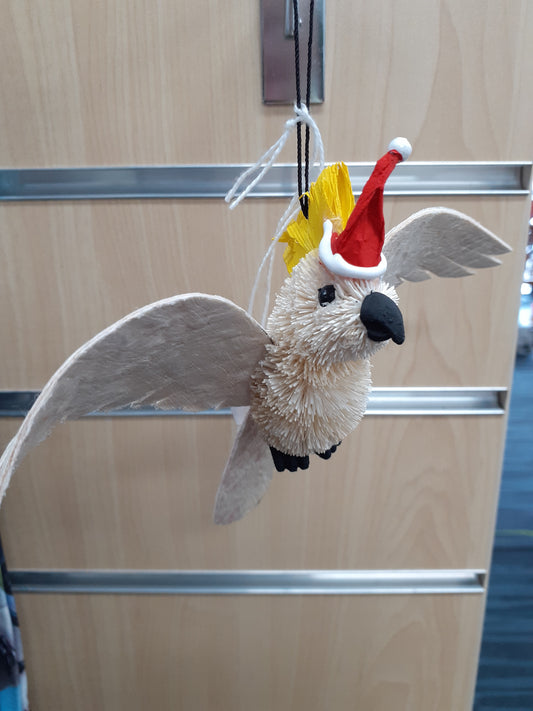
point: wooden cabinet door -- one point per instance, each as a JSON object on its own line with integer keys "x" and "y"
{"x": 136, "y": 83}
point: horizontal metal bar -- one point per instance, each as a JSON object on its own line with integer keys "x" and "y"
{"x": 250, "y": 582}
{"x": 214, "y": 181}
{"x": 437, "y": 401}
{"x": 17, "y": 403}
{"x": 383, "y": 401}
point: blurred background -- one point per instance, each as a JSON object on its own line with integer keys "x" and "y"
{"x": 505, "y": 675}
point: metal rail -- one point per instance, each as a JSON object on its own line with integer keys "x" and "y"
{"x": 383, "y": 401}
{"x": 250, "y": 582}
{"x": 214, "y": 181}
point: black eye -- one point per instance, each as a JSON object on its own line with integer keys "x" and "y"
{"x": 326, "y": 294}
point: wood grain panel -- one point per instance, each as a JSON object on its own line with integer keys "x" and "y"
{"x": 243, "y": 653}
{"x": 136, "y": 82}
{"x": 89, "y": 264}
{"x": 399, "y": 493}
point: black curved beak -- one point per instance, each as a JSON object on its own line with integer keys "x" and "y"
{"x": 382, "y": 318}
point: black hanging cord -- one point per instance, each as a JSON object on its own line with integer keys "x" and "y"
{"x": 296, "y": 22}
{"x": 308, "y": 96}
{"x": 303, "y": 188}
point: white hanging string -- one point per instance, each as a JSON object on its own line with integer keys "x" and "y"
{"x": 267, "y": 159}
{"x": 263, "y": 165}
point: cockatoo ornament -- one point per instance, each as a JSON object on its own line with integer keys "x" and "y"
{"x": 306, "y": 378}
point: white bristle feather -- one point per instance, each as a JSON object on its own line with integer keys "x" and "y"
{"x": 319, "y": 357}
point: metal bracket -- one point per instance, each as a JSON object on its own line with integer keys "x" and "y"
{"x": 277, "y": 33}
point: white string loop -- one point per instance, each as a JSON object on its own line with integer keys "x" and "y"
{"x": 266, "y": 161}
{"x": 263, "y": 165}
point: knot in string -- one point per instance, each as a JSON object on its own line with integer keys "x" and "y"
{"x": 265, "y": 162}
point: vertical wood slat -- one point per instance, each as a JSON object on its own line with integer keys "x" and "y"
{"x": 129, "y": 83}
{"x": 241, "y": 653}
{"x": 89, "y": 264}
{"x": 401, "y": 493}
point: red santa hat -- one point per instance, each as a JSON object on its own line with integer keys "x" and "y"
{"x": 356, "y": 251}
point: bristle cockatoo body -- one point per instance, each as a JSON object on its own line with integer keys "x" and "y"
{"x": 306, "y": 379}
{"x": 318, "y": 358}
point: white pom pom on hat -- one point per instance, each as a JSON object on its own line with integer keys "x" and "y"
{"x": 402, "y": 146}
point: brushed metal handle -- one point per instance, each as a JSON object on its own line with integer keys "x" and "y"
{"x": 250, "y": 582}
{"x": 433, "y": 401}
{"x": 214, "y": 181}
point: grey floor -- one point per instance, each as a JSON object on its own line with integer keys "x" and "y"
{"x": 505, "y": 678}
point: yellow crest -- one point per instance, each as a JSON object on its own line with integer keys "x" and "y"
{"x": 330, "y": 198}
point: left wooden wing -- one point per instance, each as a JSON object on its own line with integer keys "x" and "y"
{"x": 189, "y": 352}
